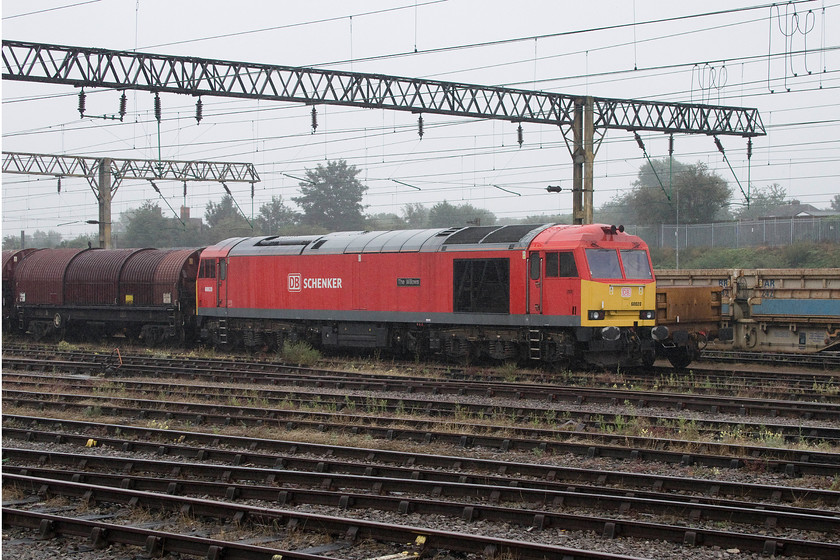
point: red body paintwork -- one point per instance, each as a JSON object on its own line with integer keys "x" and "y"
{"x": 369, "y": 281}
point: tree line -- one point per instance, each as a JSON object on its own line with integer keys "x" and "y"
{"x": 331, "y": 195}
{"x": 330, "y": 200}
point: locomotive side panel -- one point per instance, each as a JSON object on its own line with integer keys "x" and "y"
{"x": 406, "y": 287}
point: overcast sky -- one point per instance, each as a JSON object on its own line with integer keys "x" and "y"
{"x": 748, "y": 57}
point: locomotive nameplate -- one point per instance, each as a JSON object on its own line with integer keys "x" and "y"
{"x": 408, "y": 282}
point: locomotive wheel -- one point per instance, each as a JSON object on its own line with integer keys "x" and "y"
{"x": 39, "y": 329}
{"x": 679, "y": 360}
{"x": 58, "y": 321}
{"x": 649, "y": 357}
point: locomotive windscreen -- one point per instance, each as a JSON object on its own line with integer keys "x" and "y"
{"x": 636, "y": 265}
{"x": 603, "y": 263}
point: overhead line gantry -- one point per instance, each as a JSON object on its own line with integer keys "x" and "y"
{"x": 106, "y": 174}
{"x": 583, "y": 120}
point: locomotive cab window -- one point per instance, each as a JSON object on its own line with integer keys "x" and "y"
{"x": 636, "y": 265}
{"x": 207, "y": 269}
{"x": 603, "y": 263}
{"x": 560, "y": 265}
{"x": 534, "y": 266}
{"x": 481, "y": 285}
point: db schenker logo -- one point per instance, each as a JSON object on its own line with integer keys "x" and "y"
{"x": 295, "y": 282}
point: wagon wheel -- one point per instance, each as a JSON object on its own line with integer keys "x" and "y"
{"x": 680, "y": 360}
{"x": 648, "y": 357}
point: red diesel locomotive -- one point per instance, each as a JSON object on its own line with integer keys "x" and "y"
{"x": 554, "y": 293}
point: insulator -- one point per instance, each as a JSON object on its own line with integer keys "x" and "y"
{"x": 252, "y": 190}
{"x": 314, "y": 119}
{"x": 185, "y": 189}
{"x": 157, "y": 107}
{"x": 719, "y": 145}
{"x": 639, "y": 141}
{"x": 519, "y": 135}
{"x": 554, "y": 188}
{"x": 420, "y": 126}
{"x": 82, "y": 103}
{"x": 123, "y": 105}
{"x": 198, "y": 109}
{"x": 671, "y": 145}
{"x": 59, "y": 185}
{"x": 749, "y": 148}
{"x": 154, "y": 186}
{"x": 227, "y": 190}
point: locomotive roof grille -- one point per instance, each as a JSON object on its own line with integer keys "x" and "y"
{"x": 511, "y": 234}
{"x": 494, "y": 234}
{"x": 283, "y": 241}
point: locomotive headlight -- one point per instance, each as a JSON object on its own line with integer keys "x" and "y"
{"x": 647, "y": 315}
{"x": 596, "y": 315}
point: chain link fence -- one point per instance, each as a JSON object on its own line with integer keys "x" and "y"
{"x": 746, "y": 233}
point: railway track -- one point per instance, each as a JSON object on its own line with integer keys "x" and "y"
{"x": 374, "y": 424}
{"x": 521, "y": 412}
{"x": 825, "y": 359}
{"x": 303, "y": 456}
{"x": 302, "y": 377}
{"x": 703, "y": 378}
{"x": 406, "y": 497}
{"x": 166, "y": 445}
{"x": 165, "y": 485}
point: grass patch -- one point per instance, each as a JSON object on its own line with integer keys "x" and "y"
{"x": 300, "y": 353}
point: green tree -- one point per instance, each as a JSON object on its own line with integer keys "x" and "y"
{"x": 763, "y": 200}
{"x": 415, "y": 215}
{"x": 444, "y": 214}
{"x": 331, "y": 197}
{"x": 81, "y": 241}
{"x": 835, "y": 203}
{"x": 146, "y": 227}
{"x": 216, "y": 213}
{"x": 700, "y": 195}
{"x": 225, "y": 220}
{"x": 49, "y": 239}
{"x": 276, "y": 217}
{"x": 384, "y": 221}
{"x": 11, "y": 242}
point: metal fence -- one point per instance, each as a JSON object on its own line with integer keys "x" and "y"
{"x": 746, "y": 233}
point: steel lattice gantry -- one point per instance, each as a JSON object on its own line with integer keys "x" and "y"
{"x": 106, "y": 174}
{"x": 581, "y": 119}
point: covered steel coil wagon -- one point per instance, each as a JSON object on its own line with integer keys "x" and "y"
{"x": 139, "y": 293}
